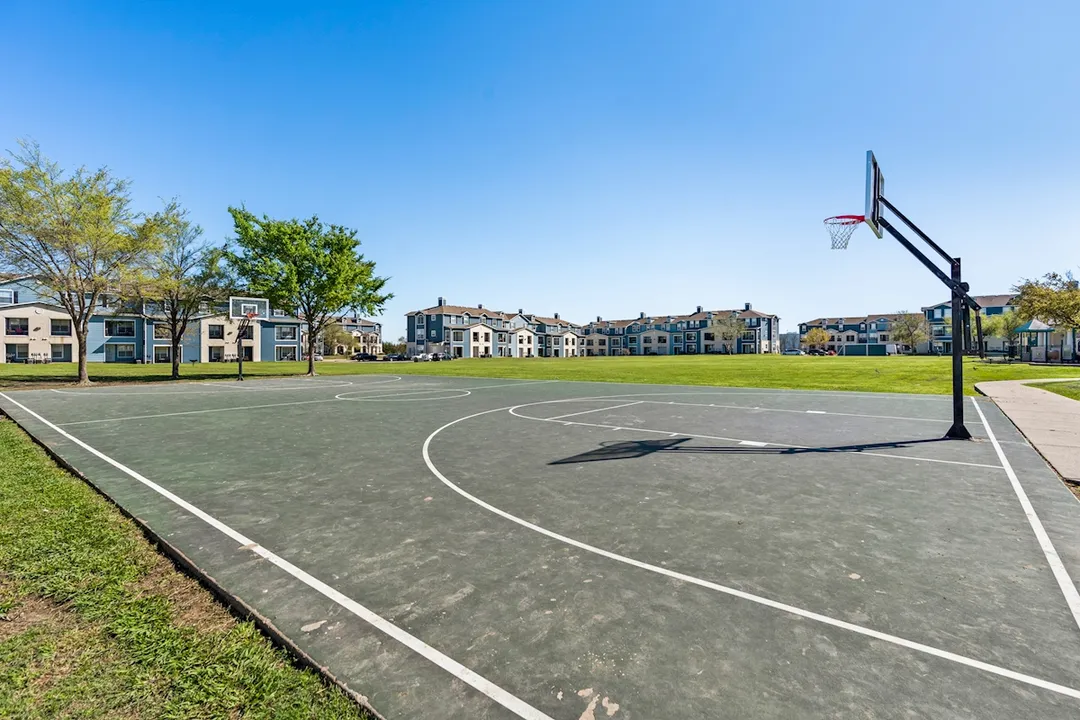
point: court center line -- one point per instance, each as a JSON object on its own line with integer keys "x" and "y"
{"x": 1061, "y": 574}
{"x": 860, "y": 453}
{"x": 800, "y": 412}
{"x": 741, "y": 594}
{"x": 511, "y": 702}
{"x": 585, "y": 412}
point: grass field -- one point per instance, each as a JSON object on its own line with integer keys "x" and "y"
{"x": 886, "y": 374}
{"x": 94, "y": 623}
{"x": 1068, "y": 389}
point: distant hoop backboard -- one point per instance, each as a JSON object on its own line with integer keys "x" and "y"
{"x": 875, "y": 189}
{"x": 242, "y": 307}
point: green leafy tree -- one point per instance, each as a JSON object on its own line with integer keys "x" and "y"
{"x": 181, "y": 277}
{"x": 911, "y": 329}
{"x": 1002, "y": 326}
{"x": 726, "y": 329}
{"x": 815, "y": 336}
{"x": 334, "y": 336}
{"x": 395, "y": 348}
{"x": 306, "y": 267}
{"x": 1055, "y": 299}
{"x": 76, "y": 234}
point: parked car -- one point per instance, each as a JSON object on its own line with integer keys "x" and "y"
{"x": 422, "y": 357}
{"x": 793, "y": 352}
{"x": 395, "y": 358}
{"x": 318, "y": 357}
{"x": 364, "y": 357}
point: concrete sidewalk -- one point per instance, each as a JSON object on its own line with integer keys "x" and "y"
{"x": 1051, "y": 422}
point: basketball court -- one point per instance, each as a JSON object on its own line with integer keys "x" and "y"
{"x": 481, "y": 548}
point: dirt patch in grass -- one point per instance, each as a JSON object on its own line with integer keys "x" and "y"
{"x": 189, "y": 603}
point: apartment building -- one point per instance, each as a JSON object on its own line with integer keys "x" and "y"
{"x": 367, "y": 334}
{"x": 940, "y": 319}
{"x": 682, "y": 334}
{"x": 34, "y": 329}
{"x": 861, "y": 335}
{"x": 471, "y": 332}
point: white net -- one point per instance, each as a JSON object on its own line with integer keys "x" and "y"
{"x": 840, "y": 229}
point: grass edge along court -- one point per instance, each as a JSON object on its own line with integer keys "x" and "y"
{"x": 896, "y": 374}
{"x": 94, "y": 622}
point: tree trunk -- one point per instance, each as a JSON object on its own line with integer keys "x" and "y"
{"x": 80, "y": 337}
{"x": 175, "y": 359}
{"x": 311, "y": 355}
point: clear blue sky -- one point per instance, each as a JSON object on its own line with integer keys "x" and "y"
{"x": 587, "y": 158}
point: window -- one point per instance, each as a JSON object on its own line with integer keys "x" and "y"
{"x": 749, "y": 336}
{"x": 476, "y": 337}
{"x": 602, "y": 342}
{"x": 691, "y": 337}
{"x": 17, "y": 352}
{"x": 119, "y": 352}
{"x": 161, "y": 332}
{"x": 662, "y": 340}
{"x": 431, "y": 318}
{"x": 710, "y": 336}
{"x": 676, "y": 338}
{"x": 120, "y": 328}
{"x": 647, "y": 341}
{"x": 217, "y": 353}
{"x": 248, "y": 333}
{"x": 7, "y": 297}
{"x": 248, "y": 308}
{"x": 277, "y": 313}
{"x": 248, "y": 353}
{"x": 285, "y": 332}
{"x": 215, "y": 332}
{"x": 162, "y": 354}
{"x": 58, "y": 353}
{"x": 851, "y": 338}
{"x": 419, "y": 321}
{"x": 18, "y": 326}
{"x": 632, "y": 339}
{"x": 458, "y": 336}
{"x": 487, "y": 337}
{"x": 285, "y": 353}
{"x": 883, "y": 338}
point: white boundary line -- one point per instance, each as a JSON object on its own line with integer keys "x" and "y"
{"x": 690, "y": 579}
{"x": 222, "y": 385}
{"x": 857, "y": 453}
{"x": 1068, "y": 587}
{"x": 511, "y": 702}
{"x": 788, "y": 410}
{"x": 586, "y": 412}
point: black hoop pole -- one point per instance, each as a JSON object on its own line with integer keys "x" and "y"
{"x": 960, "y": 296}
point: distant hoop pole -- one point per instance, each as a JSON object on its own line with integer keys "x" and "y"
{"x": 245, "y": 323}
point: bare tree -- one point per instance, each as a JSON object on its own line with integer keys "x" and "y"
{"x": 727, "y": 328}
{"x": 76, "y": 235}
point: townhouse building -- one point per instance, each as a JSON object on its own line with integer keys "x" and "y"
{"x": 34, "y": 329}
{"x": 940, "y": 319}
{"x": 682, "y": 334}
{"x": 861, "y": 335}
{"x": 470, "y": 332}
{"x": 367, "y": 334}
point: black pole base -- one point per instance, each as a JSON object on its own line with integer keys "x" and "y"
{"x": 958, "y": 432}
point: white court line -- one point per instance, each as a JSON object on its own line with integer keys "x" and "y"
{"x": 857, "y": 453}
{"x": 789, "y": 410}
{"x": 103, "y": 391}
{"x": 195, "y": 412}
{"x": 511, "y": 702}
{"x": 1068, "y": 587}
{"x": 585, "y": 412}
{"x": 753, "y": 443}
{"x": 760, "y": 600}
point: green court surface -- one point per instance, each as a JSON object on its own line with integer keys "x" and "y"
{"x": 460, "y": 547}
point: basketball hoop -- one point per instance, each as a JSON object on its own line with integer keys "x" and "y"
{"x": 840, "y": 228}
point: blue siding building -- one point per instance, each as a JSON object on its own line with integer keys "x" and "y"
{"x": 34, "y": 329}
{"x": 689, "y": 334}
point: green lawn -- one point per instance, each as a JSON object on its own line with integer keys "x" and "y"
{"x": 1068, "y": 389}
{"x": 885, "y": 374}
{"x": 94, "y": 623}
